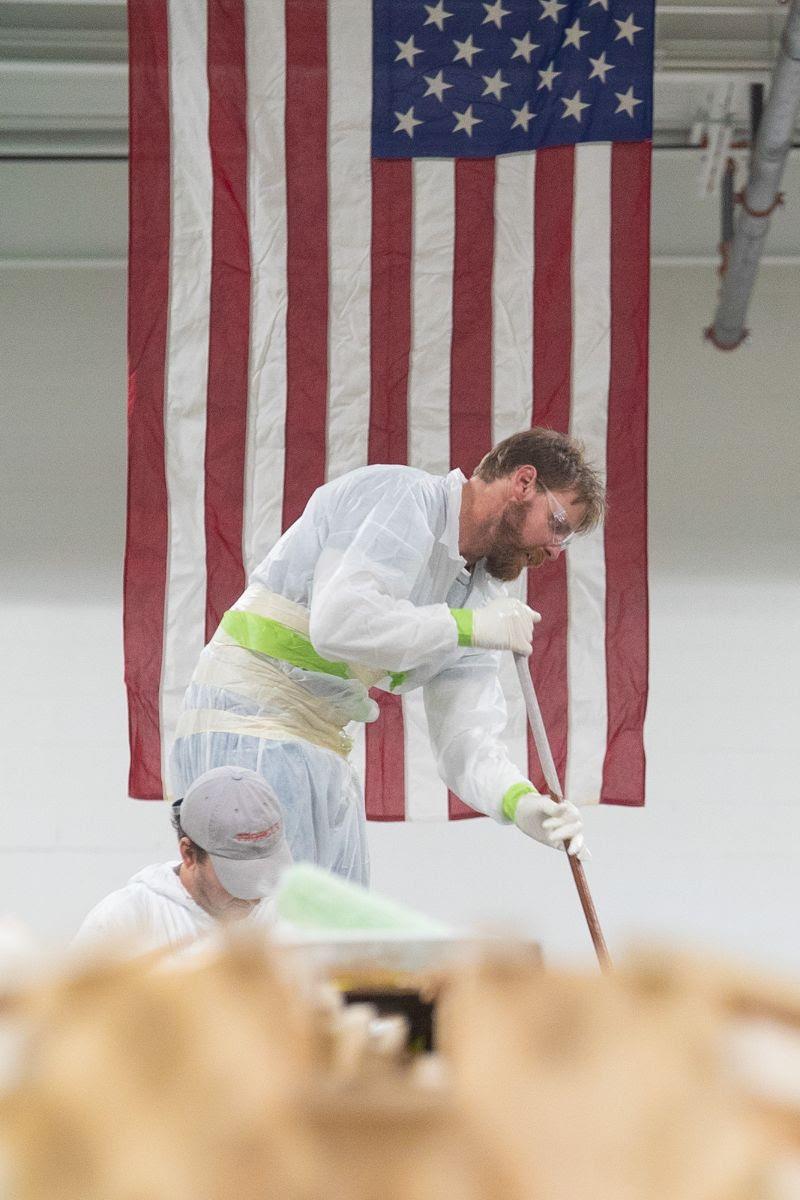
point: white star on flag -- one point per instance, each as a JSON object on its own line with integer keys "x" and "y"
{"x": 573, "y": 35}
{"x": 495, "y": 12}
{"x": 573, "y": 107}
{"x": 407, "y": 50}
{"x": 547, "y": 77}
{"x": 406, "y": 122}
{"x": 550, "y": 8}
{"x": 627, "y": 102}
{"x": 465, "y": 121}
{"x": 437, "y": 16}
{"x": 466, "y": 50}
{"x": 436, "y": 85}
{"x": 522, "y": 117}
{"x": 600, "y": 67}
{"x": 627, "y": 29}
{"x": 494, "y": 85}
{"x": 524, "y": 47}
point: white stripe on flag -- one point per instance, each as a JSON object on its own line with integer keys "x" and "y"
{"x": 431, "y": 317}
{"x": 349, "y": 230}
{"x": 512, "y": 296}
{"x": 429, "y": 420}
{"x": 266, "y": 201}
{"x": 512, "y": 368}
{"x": 588, "y": 711}
{"x": 187, "y": 359}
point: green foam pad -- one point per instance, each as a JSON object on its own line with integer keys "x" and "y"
{"x": 315, "y": 899}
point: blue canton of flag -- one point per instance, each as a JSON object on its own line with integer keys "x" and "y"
{"x": 465, "y": 78}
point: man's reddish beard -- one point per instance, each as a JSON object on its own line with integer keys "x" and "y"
{"x": 508, "y": 557}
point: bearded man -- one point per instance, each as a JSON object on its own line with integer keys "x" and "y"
{"x": 392, "y": 578}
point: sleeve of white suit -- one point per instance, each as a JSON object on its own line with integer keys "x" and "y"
{"x": 466, "y": 714}
{"x": 360, "y": 607}
{"x": 113, "y": 918}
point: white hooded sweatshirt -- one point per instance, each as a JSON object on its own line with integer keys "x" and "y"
{"x": 155, "y": 911}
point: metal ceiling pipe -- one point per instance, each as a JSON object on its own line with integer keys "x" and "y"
{"x": 762, "y": 195}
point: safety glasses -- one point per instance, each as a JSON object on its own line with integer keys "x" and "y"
{"x": 561, "y": 532}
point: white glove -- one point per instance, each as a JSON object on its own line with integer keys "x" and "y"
{"x": 551, "y": 823}
{"x": 504, "y": 624}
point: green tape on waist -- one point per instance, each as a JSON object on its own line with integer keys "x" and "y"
{"x": 266, "y": 636}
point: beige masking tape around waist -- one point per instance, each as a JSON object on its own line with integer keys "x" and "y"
{"x": 288, "y": 709}
{"x": 229, "y": 666}
{"x": 261, "y": 600}
{"x": 213, "y": 720}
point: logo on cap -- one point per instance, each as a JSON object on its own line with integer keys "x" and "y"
{"x": 257, "y": 837}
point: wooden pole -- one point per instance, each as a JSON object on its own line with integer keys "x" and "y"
{"x": 551, "y": 778}
{"x": 590, "y": 912}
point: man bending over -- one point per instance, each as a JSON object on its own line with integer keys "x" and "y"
{"x": 391, "y": 578}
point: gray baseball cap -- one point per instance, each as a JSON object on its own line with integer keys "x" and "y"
{"x": 234, "y": 815}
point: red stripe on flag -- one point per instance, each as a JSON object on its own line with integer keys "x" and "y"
{"x": 385, "y": 770}
{"x": 552, "y": 383}
{"x": 229, "y": 310}
{"x": 390, "y": 347}
{"x": 471, "y": 344}
{"x": 626, "y": 525}
{"x": 390, "y": 310}
{"x": 148, "y": 299}
{"x": 307, "y": 253}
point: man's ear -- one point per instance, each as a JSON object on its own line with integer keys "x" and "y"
{"x": 524, "y": 485}
{"x": 186, "y": 849}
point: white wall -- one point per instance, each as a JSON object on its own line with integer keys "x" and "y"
{"x": 712, "y": 859}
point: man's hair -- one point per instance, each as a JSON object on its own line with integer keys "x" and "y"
{"x": 175, "y": 817}
{"x": 560, "y": 467}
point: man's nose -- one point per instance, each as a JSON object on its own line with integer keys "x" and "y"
{"x": 553, "y": 552}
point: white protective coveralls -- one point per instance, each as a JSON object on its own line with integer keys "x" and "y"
{"x": 357, "y": 593}
{"x": 155, "y": 911}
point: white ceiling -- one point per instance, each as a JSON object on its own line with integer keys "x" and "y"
{"x": 63, "y": 77}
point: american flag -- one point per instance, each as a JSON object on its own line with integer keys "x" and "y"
{"x": 387, "y": 233}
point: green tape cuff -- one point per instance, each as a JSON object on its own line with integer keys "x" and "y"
{"x": 513, "y": 796}
{"x": 266, "y": 636}
{"x": 463, "y": 620}
{"x": 396, "y": 678}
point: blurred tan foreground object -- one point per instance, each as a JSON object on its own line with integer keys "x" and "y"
{"x": 621, "y": 1087}
{"x": 236, "y": 1078}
